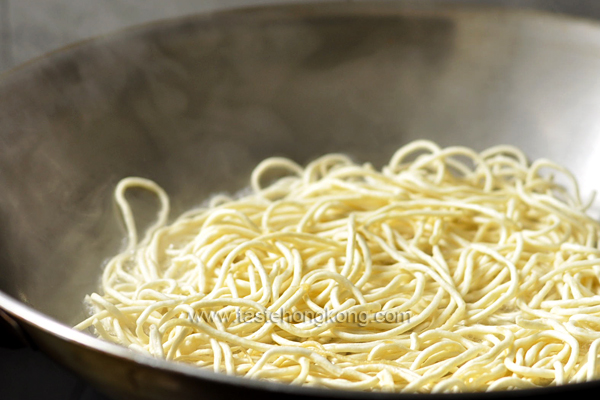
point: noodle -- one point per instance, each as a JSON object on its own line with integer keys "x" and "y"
{"x": 447, "y": 271}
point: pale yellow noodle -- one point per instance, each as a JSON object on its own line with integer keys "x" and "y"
{"x": 447, "y": 271}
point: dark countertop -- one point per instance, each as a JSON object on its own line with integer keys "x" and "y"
{"x": 26, "y": 374}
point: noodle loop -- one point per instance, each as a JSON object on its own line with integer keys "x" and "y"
{"x": 447, "y": 271}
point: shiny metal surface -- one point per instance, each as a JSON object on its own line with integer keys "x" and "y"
{"x": 195, "y": 103}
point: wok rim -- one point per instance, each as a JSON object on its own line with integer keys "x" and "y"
{"x": 30, "y": 316}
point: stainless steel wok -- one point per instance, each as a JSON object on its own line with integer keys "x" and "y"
{"x": 195, "y": 103}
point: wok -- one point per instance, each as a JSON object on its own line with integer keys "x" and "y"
{"x": 195, "y": 103}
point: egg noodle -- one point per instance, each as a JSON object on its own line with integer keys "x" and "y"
{"x": 447, "y": 271}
